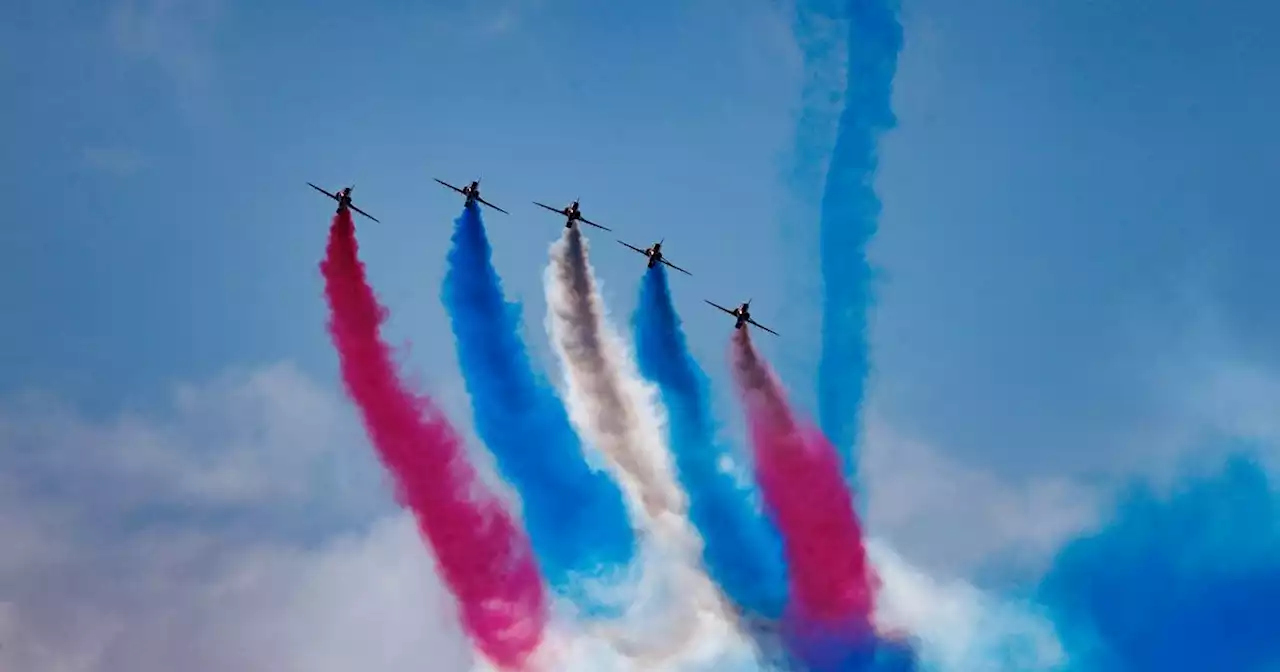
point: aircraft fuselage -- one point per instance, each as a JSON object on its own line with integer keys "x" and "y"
{"x": 572, "y": 214}
{"x": 655, "y": 254}
{"x": 472, "y": 192}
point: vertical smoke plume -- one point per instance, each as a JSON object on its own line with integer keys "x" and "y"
{"x": 832, "y": 583}
{"x": 481, "y": 554}
{"x": 576, "y": 516}
{"x": 741, "y": 549}
{"x": 850, "y": 211}
{"x": 616, "y": 410}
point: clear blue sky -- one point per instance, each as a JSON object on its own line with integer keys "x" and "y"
{"x": 1077, "y": 226}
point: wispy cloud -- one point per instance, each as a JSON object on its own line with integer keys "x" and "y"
{"x": 959, "y": 627}
{"x": 954, "y": 517}
{"x": 156, "y": 602}
{"x": 503, "y": 20}
{"x": 500, "y": 18}
{"x": 205, "y": 535}
{"x": 173, "y": 36}
{"x": 115, "y": 160}
{"x": 236, "y": 443}
{"x": 208, "y": 535}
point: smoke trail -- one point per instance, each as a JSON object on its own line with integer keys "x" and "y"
{"x": 576, "y": 516}
{"x": 742, "y": 550}
{"x": 850, "y": 210}
{"x": 482, "y": 556}
{"x": 615, "y": 408}
{"x": 1188, "y": 582}
{"x": 613, "y": 403}
{"x": 832, "y": 584}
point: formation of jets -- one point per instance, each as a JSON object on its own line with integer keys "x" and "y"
{"x": 572, "y": 214}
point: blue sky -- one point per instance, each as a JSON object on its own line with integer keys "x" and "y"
{"x": 214, "y": 128}
{"x": 1076, "y": 248}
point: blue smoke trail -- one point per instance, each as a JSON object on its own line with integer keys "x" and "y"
{"x": 850, "y": 210}
{"x": 838, "y": 654}
{"x": 576, "y": 517}
{"x": 741, "y": 551}
{"x": 1190, "y": 582}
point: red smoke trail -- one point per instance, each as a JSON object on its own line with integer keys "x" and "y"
{"x": 484, "y": 558}
{"x": 801, "y": 479}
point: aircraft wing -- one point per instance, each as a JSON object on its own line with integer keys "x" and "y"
{"x": 664, "y": 260}
{"x": 450, "y": 186}
{"x": 492, "y": 206}
{"x": 558, "y": 211}
{"x": 721, "y": 308}
{"x": 764, "y": 327}
{"x": 322, "y": 191}
{"x": 353, "y": 207}
{"x": 634, "y": 248}
{"x": 587, "y": 221}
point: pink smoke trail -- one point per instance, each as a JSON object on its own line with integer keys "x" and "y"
{"x": 800, "y": 477}
{"x": 484, "y": 558}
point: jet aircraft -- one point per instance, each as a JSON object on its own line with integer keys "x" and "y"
{"x": 572, "y": 213}
{"x": 472, "y": 192}
{"x": 655, "y": 256}
{"x": 343, "y": 198}
{"x": 743, "y": 315}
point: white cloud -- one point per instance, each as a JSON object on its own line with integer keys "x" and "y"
{"x": 247, "y": 440}
{"x": 365, "y": 601}
{"x": 175, "y": 39}
{"x": 138, "y": 544}
{"x": 955, "y": 517}
{"x": 1238, "y": 398}
{"x": 958, "y": 627}
{"x": 958, "y": 517}
{"x": 494, "y": 19}
{"x": 1221, "y": 405}
{"x": 171, "y": 34}
{"x": 243, "y": 526}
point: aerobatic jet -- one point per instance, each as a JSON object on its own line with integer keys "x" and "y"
{"x": 343, "y": 198}
{"x": 655, "y": 256}
{"x": 472, "y": 192}
{"x": 572, "y": 213}
{"x": 743, "y": 315}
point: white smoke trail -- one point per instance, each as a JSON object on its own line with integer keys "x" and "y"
{"x": 677, "y": 606}
{"x": 613, "y": 405}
